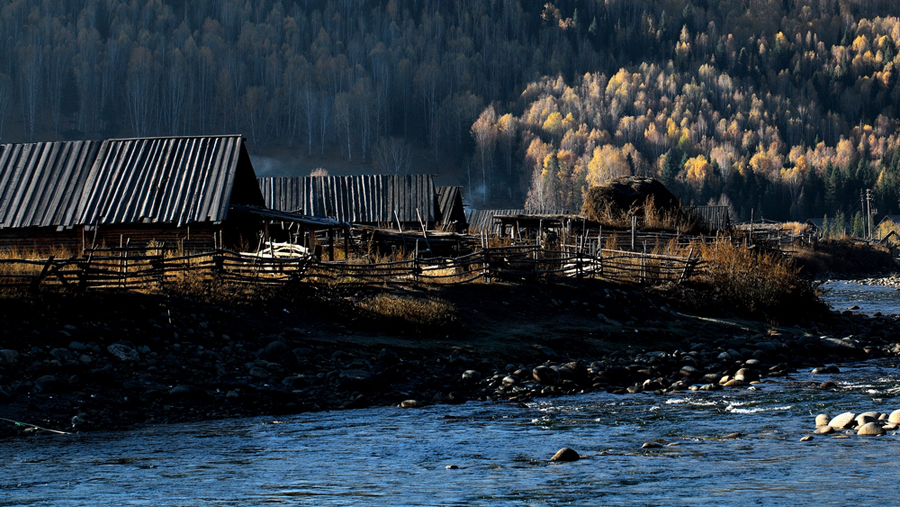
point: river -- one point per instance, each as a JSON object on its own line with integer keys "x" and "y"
{"x": 737, "y": 447}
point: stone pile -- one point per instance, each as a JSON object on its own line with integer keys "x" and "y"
{"x": 864, "y": 424}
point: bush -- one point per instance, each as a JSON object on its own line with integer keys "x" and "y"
{"x": 758, "y": 283}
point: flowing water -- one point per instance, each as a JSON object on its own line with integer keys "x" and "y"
{"x": 393, "y": 456}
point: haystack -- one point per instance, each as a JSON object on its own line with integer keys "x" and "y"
{"x": 627, "y": 196}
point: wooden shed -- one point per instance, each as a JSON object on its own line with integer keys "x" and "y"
{"x": 75, "y": 195}
{"x": 375, "y": 199}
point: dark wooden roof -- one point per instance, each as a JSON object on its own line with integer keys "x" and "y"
{"x": 356, "y": 199}
{"x": 450, "y": 207}
{"x": 173, "y": 180}
{"x": 41, "y": 183}
{"x": 482, "y": 220}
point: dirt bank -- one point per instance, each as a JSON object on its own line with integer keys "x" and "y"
{"x": 117, "y": 360}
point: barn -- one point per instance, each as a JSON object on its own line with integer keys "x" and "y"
{"x": 380, "y": 200}
{"x": 71, "y": 196}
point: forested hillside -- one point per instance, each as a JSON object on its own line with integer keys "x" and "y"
{"x": 786, "y": 107}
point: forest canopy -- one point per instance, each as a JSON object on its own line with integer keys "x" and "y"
{"x": 785, "y": 107}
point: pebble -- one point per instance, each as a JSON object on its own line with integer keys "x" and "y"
{"x": 409, "y": 404}
{"x": 651, "y": 445}
{"x": 807, "y": 438}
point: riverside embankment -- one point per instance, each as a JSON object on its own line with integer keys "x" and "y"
{"x": 118, "y": 360}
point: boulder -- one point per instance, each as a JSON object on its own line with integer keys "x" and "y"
{"x": 188, "y": 392}
{"x": 745, "y": 375}
{"x": 8, "y": 357}
{"x": 123, "y": 352}
{"x": 278, "y": 352}
{"x": 867, "y": 417}
{"x": 894, "y": 417}
{"x": 822, "y": 420}
{"x": 824, "y": 430}
{"x": 545, "y": 375}
{"x": 62, "y": 354}
{"x": 843, "y": 421}
{"x": 566, "y": 454}
{"x": 48, "y": 384}
{"x": 870, "y": 429}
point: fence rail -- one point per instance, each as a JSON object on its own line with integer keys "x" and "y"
{"x": 135, "y": 269}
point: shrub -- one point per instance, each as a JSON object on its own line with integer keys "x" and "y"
{"x": 757, "y": 283}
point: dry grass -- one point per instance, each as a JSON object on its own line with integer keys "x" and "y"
{"x": 756, "y": 283}
{"x": 649, "y": 217}
{"x": 409, "y": 314}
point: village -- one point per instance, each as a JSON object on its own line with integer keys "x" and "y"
{"x": 164, "y": 270}
{"x": 142, "y": 213}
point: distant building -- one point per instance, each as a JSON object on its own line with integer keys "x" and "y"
{"x": 378, "y": 200}
{"x": 73, "y": 195}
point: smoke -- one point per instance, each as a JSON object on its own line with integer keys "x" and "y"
{"x": 267, "y": 167}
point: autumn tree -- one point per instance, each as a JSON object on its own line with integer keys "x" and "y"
{"x": 484, "y": 131}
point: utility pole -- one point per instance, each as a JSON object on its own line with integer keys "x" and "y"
{"x": 869, "y": 212}
{"x": 862, "y": 203}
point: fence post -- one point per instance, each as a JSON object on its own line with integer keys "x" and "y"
{"x": 687, "y": 266}
{"x": 487, "y": 264}
{"x": 633, "y": 230}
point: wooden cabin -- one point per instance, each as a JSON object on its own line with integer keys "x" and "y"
{"x": 409, "y": 202}
{"x": 76, "y": 195}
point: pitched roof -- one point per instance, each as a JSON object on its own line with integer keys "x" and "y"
{"x": 450, "y": 205}
{"x": 41, "y": 183}
{"x": 360, "y": 199}
{"x": 892, "y": 218}
{"x": 176, "y": 180}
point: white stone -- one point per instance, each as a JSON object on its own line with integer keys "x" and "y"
{"x": 843, "y": 421}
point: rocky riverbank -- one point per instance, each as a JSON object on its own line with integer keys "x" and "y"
{"x": 118, "y": 360}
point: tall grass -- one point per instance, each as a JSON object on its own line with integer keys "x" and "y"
{"x": 756, "y": 283}
{"x": 409, "y": 314}
{"x": 649, "y": 215}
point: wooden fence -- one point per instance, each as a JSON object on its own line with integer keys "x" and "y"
{"x": 134, "y": 269}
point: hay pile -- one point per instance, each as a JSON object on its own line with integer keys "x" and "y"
{"x": 655, "y": 206}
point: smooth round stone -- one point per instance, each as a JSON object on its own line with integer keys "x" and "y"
{"x": 890, "y": 426}
{"x": 651, "y": 445}
{"x": 870, "y": 429}
{"x": 866, "y": 417}
{"x": 566, "y": 454}
{"x": 807, "y": 438}
{"x": 452, "y": 467}
{"x": 746, "y": 374}
{"x": 843, "y": 421}
{"x": 734, "y": 382}
{"x": 824, "y": 430}
{"x": 894, "y": 417}
{"x": 822, "y": 420}
{"x": 409, "y": 403}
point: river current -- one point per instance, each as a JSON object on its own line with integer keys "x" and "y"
{"x": 732, "y": 447}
